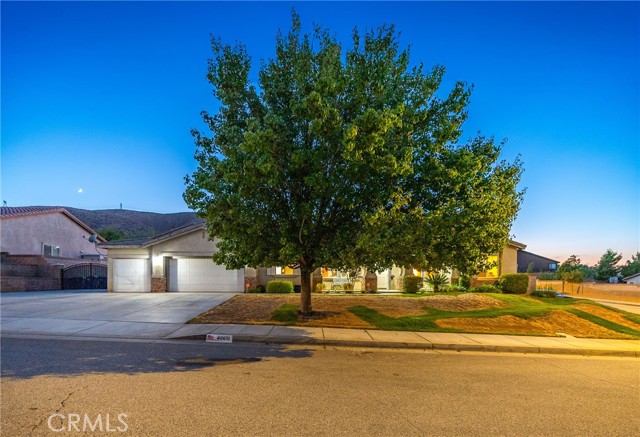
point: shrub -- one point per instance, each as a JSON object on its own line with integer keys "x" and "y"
{"x": 319, "y": 287}
{"x": 486, "y": 289}
{"x": 279, "y": 287}
{"x": 547, "y": 276}
{"x": 464, "y": 281}
{"x": 258, "y": 289}
{"x": 514, "y": 283}
{"x": 454, "y": 288}
{"x": 575, "y": 276}
{"x": 544, "y": 293}
{"x": 411, "y": 284}
{"x": 436, "y": 280}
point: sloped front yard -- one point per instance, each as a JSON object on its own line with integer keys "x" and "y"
{"x": 467, "y": 312}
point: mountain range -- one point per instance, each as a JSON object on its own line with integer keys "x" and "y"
{"x": 115, "y": 224}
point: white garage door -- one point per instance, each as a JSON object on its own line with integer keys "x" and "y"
{"x": 202, "y": 275}
{"x": 131, "y": 275}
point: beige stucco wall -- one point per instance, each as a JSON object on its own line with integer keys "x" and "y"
{"x": 509, "y": 260}
{"x": 193, "y": 244}
{"x": 27, "y": 235}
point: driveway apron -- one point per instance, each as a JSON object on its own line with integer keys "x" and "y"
{"x": 101, "y": 314}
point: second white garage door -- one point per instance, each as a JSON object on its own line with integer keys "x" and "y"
{"x": 202, "y": 275}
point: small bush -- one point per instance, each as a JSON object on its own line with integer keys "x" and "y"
{"x": 258, "y": 289}
{"x": 486, "y": 289}
{"x": 436, "y": 280}
{"x": 411, "y": 284}
{"x": 279, "y": 287}
{"x": 453, "y": 289}
{"x": 464, "y": 281}
{"x": 514, "y": 283}
{"x": 544, "y": 293}
{"x": 319, "y": 287}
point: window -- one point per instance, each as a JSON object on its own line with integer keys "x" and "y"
{"x": 51, "y": 250}
{"x": 283, "y": 271}
{"x": 553, "y": 266}
{"x": 493, "y": 271}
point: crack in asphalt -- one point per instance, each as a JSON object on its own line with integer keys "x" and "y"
{"x": 62, "y": 405}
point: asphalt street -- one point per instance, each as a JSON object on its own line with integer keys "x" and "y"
{"x": 199, "y": 389}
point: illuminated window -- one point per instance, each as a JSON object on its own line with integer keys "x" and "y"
{"x": 493, "y": 272}
{"x": 421, "y": 273}
{"x": 283, "y": 271}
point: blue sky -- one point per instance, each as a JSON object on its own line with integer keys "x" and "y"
{"x": 98, "y": 100}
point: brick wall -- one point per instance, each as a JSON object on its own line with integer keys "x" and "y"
{"x": 158, "y": 285}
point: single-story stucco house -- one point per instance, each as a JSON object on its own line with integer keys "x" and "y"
{"x": 180, "y": 260}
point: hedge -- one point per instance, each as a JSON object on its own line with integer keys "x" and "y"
{"x": 514, "y": 283}
{"x": 279, "y": 287}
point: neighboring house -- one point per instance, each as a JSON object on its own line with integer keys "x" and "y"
{"x": 51, "y": 232}
{"x": 531, "y": 263}
{"x": 633, "y": 279}
{"x": 505, "y": 262}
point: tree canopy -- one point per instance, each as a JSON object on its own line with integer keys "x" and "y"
{"x": 346, "y": 158}
{"x": 607, "y": 266}
{"x": 572, "y": 270}
{"x": 632, "y": 266}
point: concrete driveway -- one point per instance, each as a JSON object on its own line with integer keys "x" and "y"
{"x": 94, "y": 313}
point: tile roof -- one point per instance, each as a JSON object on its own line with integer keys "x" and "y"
{"x": 17, "y": 211}
{"x": 22, "y": 211}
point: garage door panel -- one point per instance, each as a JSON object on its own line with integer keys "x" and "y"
{"x": 131, "y": 275}
{"x": 202, "y": 275}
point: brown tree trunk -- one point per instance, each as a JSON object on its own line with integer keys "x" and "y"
{"x": 305, "y": 291}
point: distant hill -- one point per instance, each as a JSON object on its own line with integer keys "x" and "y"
{"x": 131, "y": 224}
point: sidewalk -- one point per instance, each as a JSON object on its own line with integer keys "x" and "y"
{"x": 270, "y": 334}
{"x": 414, "y": 340}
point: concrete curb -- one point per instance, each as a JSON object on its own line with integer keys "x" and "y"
{"x": 424, "y": 346}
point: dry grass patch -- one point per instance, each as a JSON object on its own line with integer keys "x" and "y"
{"x": 549, "y": 325}
{"x": 606, "y": 314}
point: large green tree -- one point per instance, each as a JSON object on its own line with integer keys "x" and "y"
{"x": 607, "y": 266}
{"x": 632, "y": 266}
{"x": 346, "y": 158}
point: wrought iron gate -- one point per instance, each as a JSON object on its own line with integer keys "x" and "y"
{"x": 84, "y": 276}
